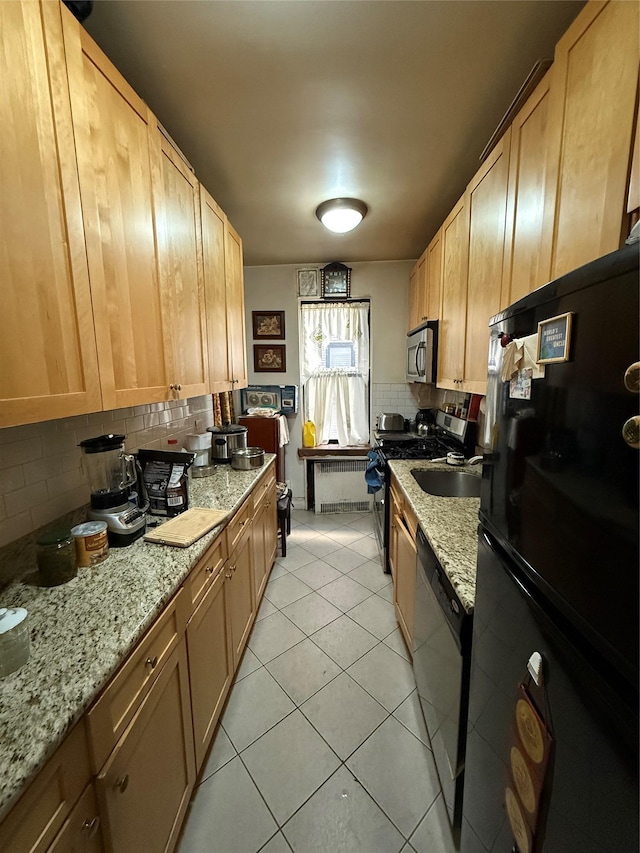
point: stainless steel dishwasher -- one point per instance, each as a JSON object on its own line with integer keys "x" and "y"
{"x": 441, "y": 665}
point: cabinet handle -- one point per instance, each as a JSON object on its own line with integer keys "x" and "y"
{"x": 172, "y": 387}
{"x": 209, "y": 570}
{"x": 122, "y": 784}
{"x": 90, "y": 827}
{"x": 152, "y": 662}
{"x": 232, "y": 568}
{"x": 178, "y": 387}
{"x": 228, "y": 574}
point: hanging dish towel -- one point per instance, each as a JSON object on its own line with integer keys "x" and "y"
{"x": 373, "y": 476}
{"x": 521, "y": 354}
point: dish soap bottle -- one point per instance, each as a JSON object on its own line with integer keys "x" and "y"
{"x": 309, "y": 434}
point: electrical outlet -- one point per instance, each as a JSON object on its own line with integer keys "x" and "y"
{"x": 198, "y": 424}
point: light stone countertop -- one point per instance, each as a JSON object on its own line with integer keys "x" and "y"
{"x": 82, "y": 631}
{"x": 450, "y": 525}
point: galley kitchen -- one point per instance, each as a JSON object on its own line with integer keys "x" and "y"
{"x": 319, "y": 423}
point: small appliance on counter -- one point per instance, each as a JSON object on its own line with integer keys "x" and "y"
{"x": 391, "y": 422}
{"x": 200, "y": 444}
{"x": 113, "y": 479}
{"x": 281, "y": 398}
{"x": 225, "y": 439}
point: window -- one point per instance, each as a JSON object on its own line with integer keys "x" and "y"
{"x": 334, "y": 370}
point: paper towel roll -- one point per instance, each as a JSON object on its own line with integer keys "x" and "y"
{"x": 14, "y": 639}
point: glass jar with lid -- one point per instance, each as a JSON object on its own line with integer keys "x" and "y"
{"x": 56, "y": 555}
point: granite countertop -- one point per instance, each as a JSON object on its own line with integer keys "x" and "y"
{"x": 82, "y": 631}
{"x": 450, "y": 525}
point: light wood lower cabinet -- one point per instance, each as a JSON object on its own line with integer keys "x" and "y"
{"x": 265, "y": 538}
{"x": 210, "y": 662}
{"x": 239, "y": 575}
{"x": 82, "y": 830}
{"x": 403, "y": 526}
{"x": 40, "y": 813}
{"x": 145, "y": 786}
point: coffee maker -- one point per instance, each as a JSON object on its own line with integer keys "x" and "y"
{"x": 113, "y": 481}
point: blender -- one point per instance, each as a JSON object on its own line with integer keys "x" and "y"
{"x": 112, "y": 476}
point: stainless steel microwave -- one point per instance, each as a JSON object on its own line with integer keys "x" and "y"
{"x": 422, "y": 353}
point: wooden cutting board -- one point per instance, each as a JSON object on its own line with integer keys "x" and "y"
{"x": 185, "y": 529}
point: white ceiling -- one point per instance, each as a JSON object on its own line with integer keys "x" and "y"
{"x": 281, "y": 104}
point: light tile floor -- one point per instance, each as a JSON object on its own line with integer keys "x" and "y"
{"x": 322, "y": 747}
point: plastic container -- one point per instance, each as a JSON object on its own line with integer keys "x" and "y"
{"x": 56, "y": 556}
{"x": 14, "y": 639}
{"x": 91, "y": 543}
{"x": 309, "y": 434}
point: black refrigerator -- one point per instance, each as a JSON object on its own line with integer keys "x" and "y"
{"x": 552, "y": 747}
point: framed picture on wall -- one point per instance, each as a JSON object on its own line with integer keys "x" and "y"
{"x": 269, "y": 358}
{"x": 308, "y": 283}
{"x": 268, "y": 324}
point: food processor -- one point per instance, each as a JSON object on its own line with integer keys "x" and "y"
{"x": 113, "y": 479}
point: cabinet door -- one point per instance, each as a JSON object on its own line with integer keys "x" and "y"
{"x": 47, "y": 338}
{"x": 210, "y": 663}
{"x": 238, "y": 572}
{"x": 487, "y": 203}
{"x": 591, "y": 115}
{"x": 214, "y": 223}
{"x": 395, "y": 510}
{"x": 434, "y": 276}
{"x": 81, "y": 832}
{"x": 413, "y": 298}
{"x": 265, "y": 540}
{"x": 405, "y": 581}
{"x": 525, "y": 199}
{"x": 455, "y": 258}
{"x": 180, "y": 241}
{"x": 145, "y": 786}
{"x": 235, "y": 308}
{"x": 418, "y": 292}
{"x": 117, "y": 146}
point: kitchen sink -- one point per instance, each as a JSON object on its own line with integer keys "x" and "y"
{"x": 448, "y": 484}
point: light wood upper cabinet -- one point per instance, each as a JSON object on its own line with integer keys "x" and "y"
{"x": 118, "y": 149}
{"x": 455, "y": 260}
{"x": 235, "y": 308}
{"x": 525, "y": 202}
{"x": 47, "y": 337}
{"x": 418, "y": 292}
{"x": 177, "y": 203}
{"x": 434, "y": 276}
{"x": 591, "y": 115}
{"x": 214, "y": 224}
{"x": 487, "y": 203}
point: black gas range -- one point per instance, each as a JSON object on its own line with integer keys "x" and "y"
{"x": 451, "y": 435}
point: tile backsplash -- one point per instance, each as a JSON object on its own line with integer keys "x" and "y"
{"x": 402, "y": 397}
{"x": 41, "y": 477}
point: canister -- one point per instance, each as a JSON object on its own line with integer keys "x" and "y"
{"x": 56, "y": 556}
{"x": 92, "y": 545}
{"x": 14, "y": 639}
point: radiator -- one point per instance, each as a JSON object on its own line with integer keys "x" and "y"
{"x": 339, "y": 486}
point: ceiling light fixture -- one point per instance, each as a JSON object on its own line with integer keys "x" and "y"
{"x": 341, "y": 214}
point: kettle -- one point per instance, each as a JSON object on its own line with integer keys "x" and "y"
{"x": 425, "y": 420}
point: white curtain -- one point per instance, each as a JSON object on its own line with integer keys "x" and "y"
{"x": 336, "y": 396}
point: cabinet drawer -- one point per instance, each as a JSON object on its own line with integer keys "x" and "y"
{"x": 203, "y": 574}
{"x": 112, "y": 712}
{"x": 239, "y": 525}
{"x": 81, "y": 832}
{"x": 34, "y": 821}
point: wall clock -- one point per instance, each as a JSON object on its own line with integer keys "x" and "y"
{"x": 336, "y": 281}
